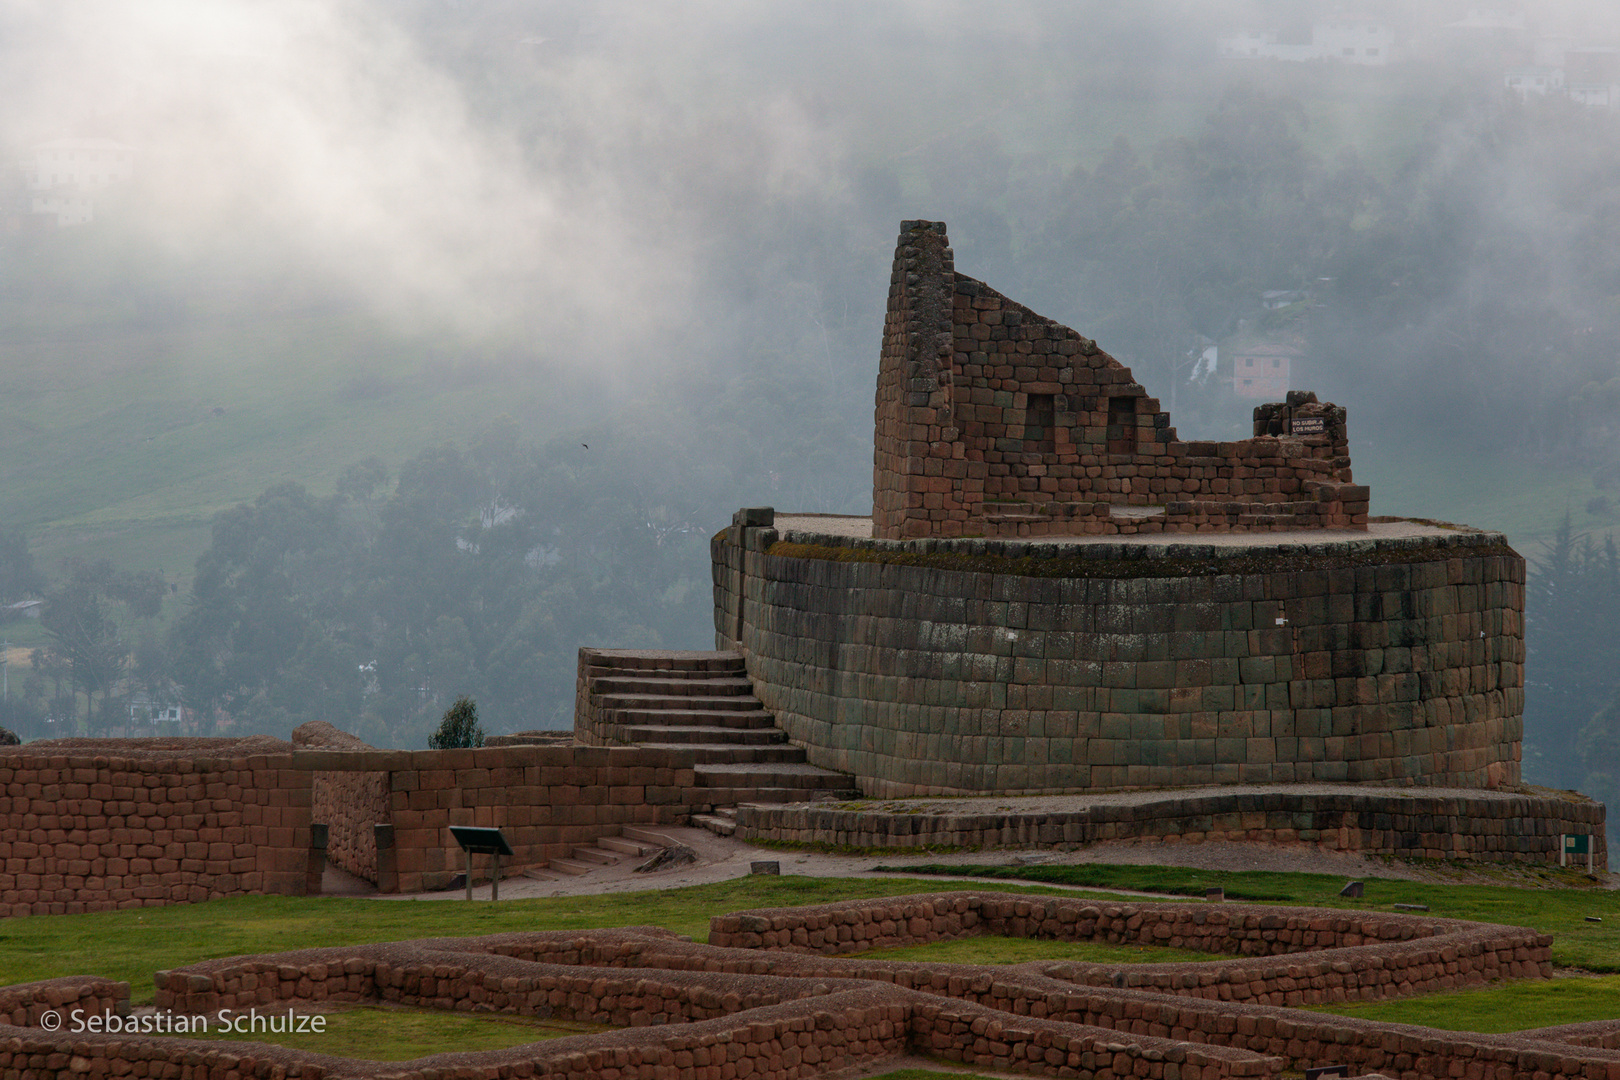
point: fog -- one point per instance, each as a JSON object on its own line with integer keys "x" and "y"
{"x": 657, "y": 238}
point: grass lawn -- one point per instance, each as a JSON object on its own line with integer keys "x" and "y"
{"x": 130, "y": 945}
{"x": 1522, "y": 498}
{"x": 395, "y": 1033}
{"x": 1497, "y": 1009}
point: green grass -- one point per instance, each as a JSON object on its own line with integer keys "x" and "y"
{"x": 130, "y": 945}
{"x": 122, "y": 440}
{"x": 1516, "y": 495}
{"x": 1497, "y": 1009}
{"x": 392, "y": 1033}
{"x": 1561, "y": 912}
{"x": 1008, "y": 950}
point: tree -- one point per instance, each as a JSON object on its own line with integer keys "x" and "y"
{"x": 87, "y": 616}
{"x": 18, "y": 578}
{"x": 459, "y": 727}
{"x": 1572, "y": 640}
{"x": 1599, "y": 748}
{"x": 267, "y": 637}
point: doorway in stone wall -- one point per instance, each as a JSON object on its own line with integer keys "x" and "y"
{"x": 1122, "y": 425}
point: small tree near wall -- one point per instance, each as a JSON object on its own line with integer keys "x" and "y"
{"x": 459, "y": 727}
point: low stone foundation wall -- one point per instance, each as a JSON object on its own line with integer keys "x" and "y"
{"x": 709, "y": 1011}
{"x": 1409, "y": 824}
{"x": 1334, "y": 956}
{"x": 24, "y": 1004}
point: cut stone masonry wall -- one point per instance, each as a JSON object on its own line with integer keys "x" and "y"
{"x": 93, "y": 825}
{"x": 1480, "y": 826}
{"x": 349, "y": 804}
{"x": 945, "y": 667}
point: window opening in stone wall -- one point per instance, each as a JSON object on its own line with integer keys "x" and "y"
{"x": 1122, "y": 425}
{"x": 1040, "y": 414}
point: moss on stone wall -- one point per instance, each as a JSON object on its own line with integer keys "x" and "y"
{"x": 1145, "y": 562}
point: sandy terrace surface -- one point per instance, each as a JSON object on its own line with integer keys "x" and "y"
{"x": 724, "y": 858}
{"x": 861, "y": 527}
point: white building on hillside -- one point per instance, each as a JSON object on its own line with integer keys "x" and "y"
{"x": 63, "y": 176}
{"x": 1525, "y": 81}
{"x": 1350, "y": 41}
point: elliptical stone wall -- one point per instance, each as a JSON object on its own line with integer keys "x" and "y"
{"x": 939, "y": 667}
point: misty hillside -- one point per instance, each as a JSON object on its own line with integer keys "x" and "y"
{"x": 524, "y": 297}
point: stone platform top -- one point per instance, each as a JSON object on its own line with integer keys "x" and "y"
{"x": 811, "y": 528}
{"x": 1240, "y": 797}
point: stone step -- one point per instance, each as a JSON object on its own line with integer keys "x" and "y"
{"x": 633, "y": 848}
{"x": 1135, "y": 512}
{"x": 701, "y": 733}
{"x": 663, "y": 659}
{"x": 651, "y": 837}
{"x": 716, "y": 753}
{"x": 669, "y": 702}
{"x": 770, "y": 775}
{"x": 681, "y": 687}
{"x": 720, "y": 826}
{"x": 570, "y": 866}
{"x": 726, "y": 795}
{"x": 597, "y": 855}
{"x": 628, "y": 660}
{"x": 689, "y": 718}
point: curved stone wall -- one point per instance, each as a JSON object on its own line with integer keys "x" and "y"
{"x": 938, "y": 667}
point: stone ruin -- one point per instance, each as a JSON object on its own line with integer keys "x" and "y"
{"x": 995, "y": 421}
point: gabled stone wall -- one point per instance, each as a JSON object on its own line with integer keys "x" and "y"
{"x": 992, "y": 420}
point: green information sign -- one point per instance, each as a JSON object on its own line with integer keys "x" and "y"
{"x": 1577, "y": 845}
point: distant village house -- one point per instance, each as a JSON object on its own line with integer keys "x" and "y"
{"x": 1261, "y": 365}
{"x": 1350, "y": 41}
{"x": 63, "y": 176}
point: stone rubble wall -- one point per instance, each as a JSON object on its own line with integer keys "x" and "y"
{"x": 22, "y": 1005}
{"x": 1488, "y": 827}
{"x": 949, "y": 667}
{"x": 962, "y": 448}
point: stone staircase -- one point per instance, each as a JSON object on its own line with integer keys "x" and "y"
{"x": 702, "y": 702}
{"x": 632, "y": 843}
